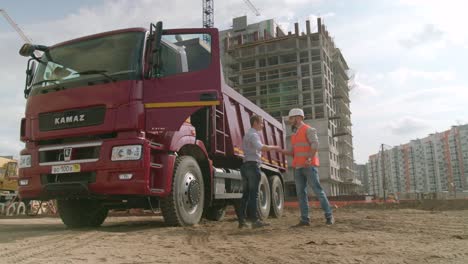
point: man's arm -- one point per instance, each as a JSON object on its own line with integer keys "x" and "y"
{"x": 314, "y": 143}
{"x": 288, "y": 152}
{"x": 257, "y": 143}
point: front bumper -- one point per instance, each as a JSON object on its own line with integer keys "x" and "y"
{"x": 98, "y": 178}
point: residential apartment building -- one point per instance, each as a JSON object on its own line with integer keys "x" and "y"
{"x": 279, "y": 71}
{"x": 435, "y": 165}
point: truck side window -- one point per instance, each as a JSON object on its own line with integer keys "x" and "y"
{"x": 185, "y": 53}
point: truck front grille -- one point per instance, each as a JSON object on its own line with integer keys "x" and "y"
{"x": 73, "y": 153}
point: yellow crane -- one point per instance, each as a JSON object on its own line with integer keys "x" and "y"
{"x": 8, "y": 174}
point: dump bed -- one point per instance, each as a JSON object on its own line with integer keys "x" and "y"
{"x": 238, "y": 110}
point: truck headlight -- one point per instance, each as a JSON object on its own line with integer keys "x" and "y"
{"x": 25, "y": 161}
{"x": 130, "y": 152}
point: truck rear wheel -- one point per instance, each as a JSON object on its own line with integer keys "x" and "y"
{"x": 264, "y": 197}
{"x": 277, "y": 196}
{"x": 81, "y": 213}
{"x": 184, "y": 205}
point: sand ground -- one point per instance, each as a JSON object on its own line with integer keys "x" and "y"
{"x": 360, "y": 235}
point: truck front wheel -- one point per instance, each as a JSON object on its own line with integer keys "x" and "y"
{"x": 81, "y": 213}
{"x": 184, "y": 205}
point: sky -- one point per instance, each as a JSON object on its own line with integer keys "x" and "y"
{"x": 408, "y": 57}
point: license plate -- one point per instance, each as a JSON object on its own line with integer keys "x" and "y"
{"x": 66, "y": 168}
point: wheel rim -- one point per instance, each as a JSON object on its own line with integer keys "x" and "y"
{"x": 191, "y": 193}
{"x": 262, "y": 197}
{"x": 277, "y": 194}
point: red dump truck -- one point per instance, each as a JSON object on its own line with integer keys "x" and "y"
{"x": 139, "y": 118}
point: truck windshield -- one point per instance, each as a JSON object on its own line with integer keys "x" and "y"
{"x": 98, "y": 60}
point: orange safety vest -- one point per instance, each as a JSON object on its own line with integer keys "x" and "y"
{"x": 301, "y": 148}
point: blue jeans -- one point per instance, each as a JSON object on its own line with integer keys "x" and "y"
{"x": 302, "y": 175}
{"x": 250, "y": 181}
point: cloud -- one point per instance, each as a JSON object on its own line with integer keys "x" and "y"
{"x": 360, "y": 89}
{"x": 408, "y": 125}
{"x": 428, "y": 35}
{"x": 404, "y": 74}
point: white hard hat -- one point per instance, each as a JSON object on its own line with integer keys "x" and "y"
{"x": 296, "y": 112}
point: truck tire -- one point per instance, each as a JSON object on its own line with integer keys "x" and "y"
{"x": 21, "y": 210}
{"x": 264, "y": 198}
{"x": 184, "y": 205}
{"x": 11, "y": 209}
{"x": 81, "y": 213}
{"x": 215, "y": 213}
{"x": 277, "y": 196}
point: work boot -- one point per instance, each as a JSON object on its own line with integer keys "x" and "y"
{"x": 330, "y": 220}
{"x": 259, "y": 224}
{"x": 243, "y": 224}
{"x": 301, "y": 224}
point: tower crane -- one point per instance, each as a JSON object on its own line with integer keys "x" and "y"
{"x": 208, "y": 12}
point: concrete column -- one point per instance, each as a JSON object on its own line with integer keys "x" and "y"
{"x": 308, "y": 27}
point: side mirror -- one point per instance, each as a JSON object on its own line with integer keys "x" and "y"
{"x": 28, "y": 49}
{"x": 30, "y": 71}
{"x": 156, "y": 35}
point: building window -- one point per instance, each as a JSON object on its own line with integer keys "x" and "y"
{"x": 305, "y": 70}
{"x": 246, "y": 65}
{"x": 305, "y": 85}
{"x": 319, "y": 113}
{"x": 262, "y": 76}
{"x": 262, "y": 63}
{"x": 273, "y": 61}
{"x": 273, "y": 88}
{"x": 307, "y": 99}
{"x": 249, "y": 78}
{"x": 274, "y": 102}
{"x": 261, "y": 49}
{"x": 304, "y": 57}
{"x": 317, "y": 81}
{"x": 315, "y": 54}
{"x": 246, "y": 52}
{"x": 316, "y": 68}
{"x": 289, "y": 100}
{"x": 308, "y": 113}
{"x": 303, "y": 43}
{"x": 288, "y": 87}
{"x": 288, "y": 72}
{"x": 287, "y": 58}
{"x": 274, "y": 74}
{"x": 318, "y": 98}
{"x": 287, "y": 44}
{"x": 263, "y": 90}
{"x": 271, "y": 47}
{"x": 249, "y": 91}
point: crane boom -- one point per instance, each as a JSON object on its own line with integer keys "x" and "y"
{"x": 17, "y": 29}
{"x": 252, "y": 7}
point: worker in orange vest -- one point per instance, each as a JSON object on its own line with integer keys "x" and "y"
{"x": 304, "y": 146}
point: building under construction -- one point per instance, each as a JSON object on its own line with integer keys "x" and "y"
{"x": 434, "y": 166}
{"x": 279, "y": 71}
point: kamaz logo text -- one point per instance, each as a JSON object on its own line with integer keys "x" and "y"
{"x": 69, "y": 119}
